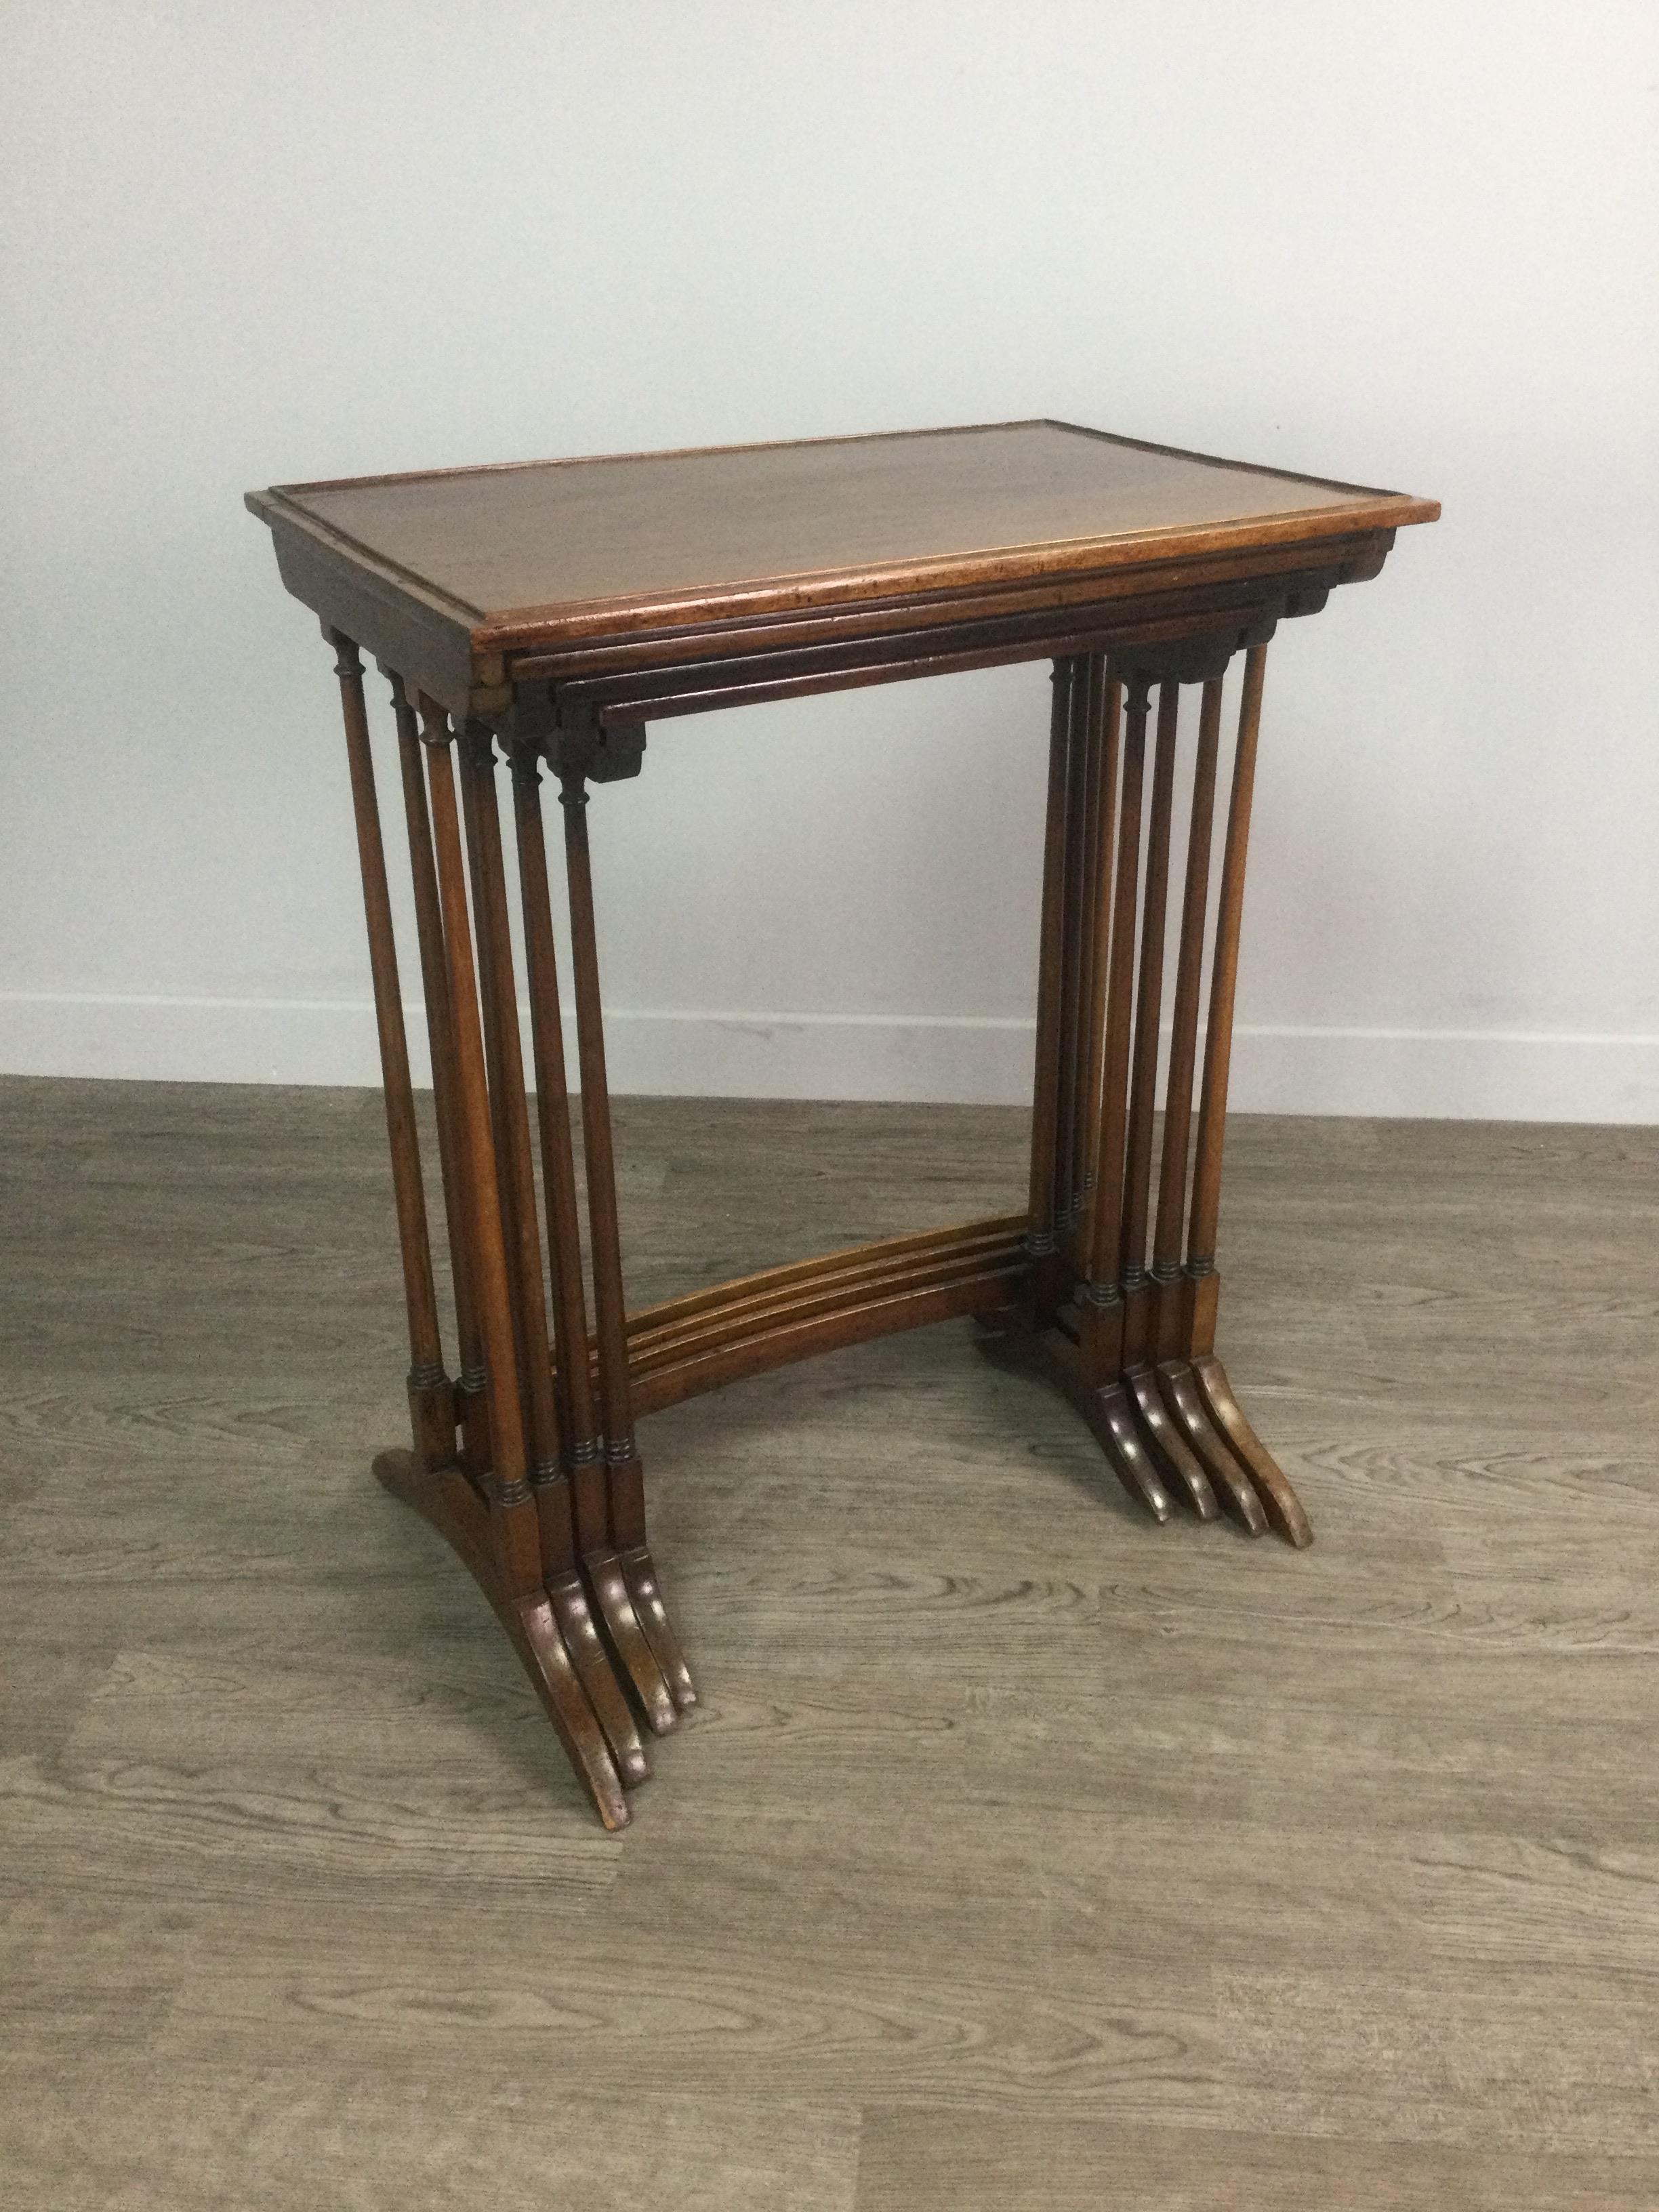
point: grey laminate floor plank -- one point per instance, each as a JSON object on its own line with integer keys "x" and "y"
{"x": 923, "y": 2163}
{"x": 353, "y": 2139}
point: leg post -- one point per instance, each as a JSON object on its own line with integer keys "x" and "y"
{"x": 582, "y": 1447}
{"x": 1177, "y": 1384}
{"x": 1100, "y": 1296}
{"x": 549, "y": 1480}
{"x": 509, "y": 1549}
{"x": 1082, "y": 774}
{"x": 472, "y": 1403}
{"x": 1042, "y": 1239}
{"x": 1086, "y": 1364}
{"x": 431, "y": 1398}
{"x": 1107, "y": 704}
{"x": 1170, "y": 1449}
{"x": 625, "y": 1473}
{"x": 1201, "y": 1287}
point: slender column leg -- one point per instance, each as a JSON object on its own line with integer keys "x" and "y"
{"x": 472, "y": 1402}
{"x": 1103, "y": 1333}
{"x": 1176, "y": 1379}
{"x": 492, "y": 997}
{"x": 1169, "y": 1448}
{"x": 1283, "y": 1507}
{"x": 1089, "y": 1368}
{"x": 1100, "y": 1306}
{"x": 431, "y": 1400}
{"x": 1042, "y": 1239}
{"x": 1081, "y": 768}
{"x": 504, "y": 1054}
{"x": 583, "y": 1450}
{"x": 511, "y": 1557}
{"x": 625, "y": 1475}
{"x": 1108, "y": 705}
{"x": 1097, "y": 842}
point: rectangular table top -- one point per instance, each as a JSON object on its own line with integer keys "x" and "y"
{"x": 539, "y": 550}
{"x": 473, "y": 582}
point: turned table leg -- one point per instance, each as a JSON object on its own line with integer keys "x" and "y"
{"x": 1176, "y": 1380}
{"x": 472, "y": 1402}
{"x": 1131, "y": 1345}
{"x": 431, "y": 1399}
{"x": 1043, "y": 1236}
{"x": 1079, "y": 850}
{"x": 1104, "y": 1401}
{"x": 504, "y": 1551}
{"x": 1080, "y": 1348}
{"x": 583, "y": 1450}
{"x": 1170, "y": 1449}
{"x": 624, "y": 1472}
{"x": 1202, "y": 1284}
{"x": 549, "y": 1477}
{"x": 1103, "y": 717}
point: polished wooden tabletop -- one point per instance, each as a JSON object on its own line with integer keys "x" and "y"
{"x": 526, "y": 552}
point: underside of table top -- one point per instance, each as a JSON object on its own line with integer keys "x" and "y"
{"x": 477, "y": 579}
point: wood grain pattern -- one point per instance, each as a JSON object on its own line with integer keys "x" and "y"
{"x": 810, "y": 522}
{"x": 1013, "y": 1856}
{"x": 935, "y": 2165}
{"x": 356, "y": 2138}
{"x": 474, "y": 582}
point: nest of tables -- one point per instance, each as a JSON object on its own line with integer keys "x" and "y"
{"x": 535, "y": 619}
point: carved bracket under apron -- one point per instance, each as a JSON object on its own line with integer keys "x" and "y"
{"x": 570, "y": 739}
{"x": 1200, "y": 660}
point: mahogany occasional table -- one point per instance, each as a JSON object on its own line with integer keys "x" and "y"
{"x": 549, "y": 610}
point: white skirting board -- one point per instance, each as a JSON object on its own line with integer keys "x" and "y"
{"x": 1472, "y": 1074}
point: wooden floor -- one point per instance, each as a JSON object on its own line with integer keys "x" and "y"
{"x": 1022, "y": 1854}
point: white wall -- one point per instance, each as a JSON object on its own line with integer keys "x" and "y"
{"x": 1408, "y": 244}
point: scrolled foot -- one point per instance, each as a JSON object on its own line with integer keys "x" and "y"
{"x": 626, "y": 1635}
{"x": 1233, "y": 1486}
{"x": 1110, "y": 1415}
{"x": 535, "y": 1634}
{"x": 1281, "y": 1504}
{"x": 1169, "y": 1448}
{"x": 645, "y": 1591}
{"x": 581, "y": 1639}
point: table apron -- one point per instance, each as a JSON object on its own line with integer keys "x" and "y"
{"x": 1234, "y": 615}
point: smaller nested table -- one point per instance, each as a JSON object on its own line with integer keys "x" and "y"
{"x": 551, "y": 610}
